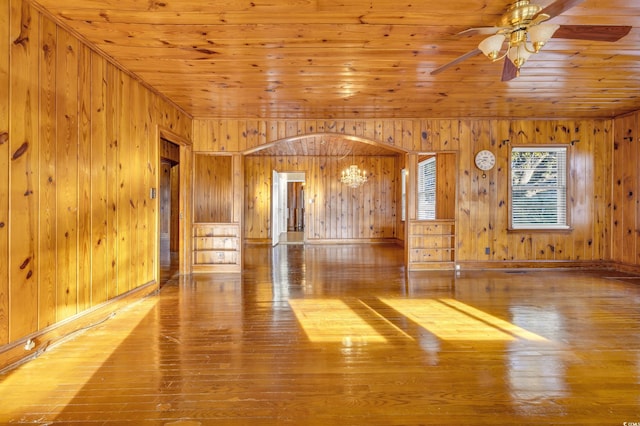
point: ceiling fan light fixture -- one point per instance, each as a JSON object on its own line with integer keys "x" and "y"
{"x": 524, "y": 27}
{"x": 540, "y": 34}
{"x": 491, "y": 46}
{"x": 519, "y": 54}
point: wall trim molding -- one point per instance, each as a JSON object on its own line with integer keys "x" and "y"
{"x": 529, "y": 264}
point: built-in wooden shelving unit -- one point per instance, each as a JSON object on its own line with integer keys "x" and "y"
{"x": 216, "y": 247}
{"x": 432, "y": 244}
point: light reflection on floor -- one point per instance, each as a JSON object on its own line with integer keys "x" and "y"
{"x": 332, "y": 320}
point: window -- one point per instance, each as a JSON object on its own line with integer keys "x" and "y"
{"x": 404, "y": 194}
{"x": 539, "y": 188}
{"x": 427, "y": 189}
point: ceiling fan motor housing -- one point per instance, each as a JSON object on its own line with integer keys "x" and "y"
{"x": 520, "y": 14}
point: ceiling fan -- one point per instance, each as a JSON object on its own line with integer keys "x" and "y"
{"x": 524, "y": 30}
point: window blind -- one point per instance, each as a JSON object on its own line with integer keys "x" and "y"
{"x": 427, "y": 189}
{"x": 539, "y": 187}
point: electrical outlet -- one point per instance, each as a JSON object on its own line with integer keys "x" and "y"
{"x": 487, "y": 250}
{"x": 30, "y": 344}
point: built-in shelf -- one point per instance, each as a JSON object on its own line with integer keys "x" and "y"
{"x": 432, "y": 244}
{"x": 216, "y": 247}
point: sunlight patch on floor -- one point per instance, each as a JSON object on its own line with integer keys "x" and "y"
{"x": 49, "y": 379}
{"x": 331, "y": 320}
{"x": 449, "y": 319}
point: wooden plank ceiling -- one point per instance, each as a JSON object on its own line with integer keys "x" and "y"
{"x": 346, "y": 59}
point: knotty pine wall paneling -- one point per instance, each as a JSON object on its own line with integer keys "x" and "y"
{"x": 482, "y": 215}
{"x": 124, "y": 179}
{"x": 5, "y": 87}
{"x": 99, "y": 189}
{"x": 47, "y": 184}
{"x": 626, "y": 207}
{"x": 78, "y": 154}
{"x": 603, "y": 198}
{"x": 213, "y": 188}
{"x": 333, "y": 210}
{"x": 84, "y": 178}
{"x": 23, "y": 170}
{"x": 112, "y": 137}
{"x": 67, "y": 183}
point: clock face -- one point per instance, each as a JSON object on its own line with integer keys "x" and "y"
{"x": 485, "y": 160}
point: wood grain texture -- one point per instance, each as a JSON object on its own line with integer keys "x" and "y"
{"x": 332, "y": 211}
{"x": 99, "y": 182}
{"x": 213, "y": 188}
{"x": 360, "y": 343}
{"x": 23, "y": 170}
{"x": 4, "y": 172}
{"x": 482, "y": 211}
{"x": 67, "y": 136}
{"x": 48, "y": 185}
{"x": 67, "y": 187}
{"x": 305, "y": 60}
{"x": 626, "y": 184}
{"x": 85, "y": 193}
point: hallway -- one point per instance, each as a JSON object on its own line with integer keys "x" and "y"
{"x": 338, "y": 335}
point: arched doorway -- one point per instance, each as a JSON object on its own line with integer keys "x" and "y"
{"x": 332, "y": 211}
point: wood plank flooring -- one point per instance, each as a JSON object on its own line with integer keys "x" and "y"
{"x": 340, "y": 335}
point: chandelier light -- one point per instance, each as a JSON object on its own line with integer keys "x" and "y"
{"x": 522, "y": 30}
{"x": 353, "y": 177}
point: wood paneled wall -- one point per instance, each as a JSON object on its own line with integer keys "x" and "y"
{"x": 482, "y": 209}
{"x": 626, "y": 191}
{"x": 212, "y": 188}
{"x": 78, "y": 156}
{"x": 483, "y": 212}
{"x": 333, "y": 211}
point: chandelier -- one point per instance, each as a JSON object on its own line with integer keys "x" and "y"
{"x": 353, "y": 177}
{"x": 523, "y": 31}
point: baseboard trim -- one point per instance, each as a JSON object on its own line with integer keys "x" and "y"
{"x": 29, "y": 347}
{"x": 549, "y": 264}
{"x": 397, "y": 241}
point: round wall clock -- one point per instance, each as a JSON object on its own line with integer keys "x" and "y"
{"x": 485, "y": 160}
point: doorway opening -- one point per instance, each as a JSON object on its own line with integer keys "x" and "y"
{"x": 288, "y": 208}
{"x": 169, "y": 197}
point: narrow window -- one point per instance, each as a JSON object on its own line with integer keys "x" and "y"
{"x": 404, "y": 194}
{"x": 427, "y": 189}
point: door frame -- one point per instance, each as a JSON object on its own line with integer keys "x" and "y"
{"x": 184, "y": 201}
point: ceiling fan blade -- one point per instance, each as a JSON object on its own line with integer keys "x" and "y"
{"x": 592, "y": 32}
{"x": 558, "y": 7}
{"x": 509, "y": 71}
{"x": 457, "y": 61}
{"x": 482, "y": 30}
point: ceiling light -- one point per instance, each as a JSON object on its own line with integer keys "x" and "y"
{"x": 523, "y": 29}
{"x": 353, "y": 177}
{"x": 491, "y": 46}
{"x": 540, "y": 34}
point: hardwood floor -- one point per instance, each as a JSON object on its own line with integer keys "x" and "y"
{"x": 338, "y": 335}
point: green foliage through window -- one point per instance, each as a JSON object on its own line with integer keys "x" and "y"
{"x": 539, "y": 188}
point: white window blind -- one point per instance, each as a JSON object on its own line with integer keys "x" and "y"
{"x": 539, "y": 188}
{"x": 404, "y": 194}
{"x": 427, "y": 189}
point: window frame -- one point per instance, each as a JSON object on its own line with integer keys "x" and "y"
{"x": 544, "y": 227}
{"x": 432, "y": 161}
{"x": 403, "y": 177}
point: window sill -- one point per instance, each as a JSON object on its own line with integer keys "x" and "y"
{"x": 540, "y": 230}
